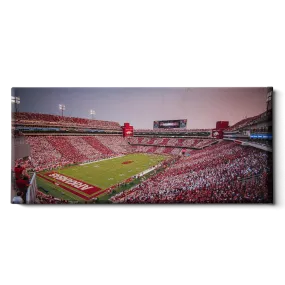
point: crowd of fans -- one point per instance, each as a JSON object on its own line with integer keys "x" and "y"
{"x": 100, "y": 147}
{"x": 155, "y": 150}
{"x": 222, "y": 173}
{"x": 115, "y": 143}
{"x": 48, "y": 199}
{"x": 265, "y": 117}
{"x": 20, "y": 185}
{"x": 241, "y": 124}
{"x": 261, "y": 142}
{"x": 21, "y": 182}
{"x": 36, "y": 118}
{"x": 175, "y": 142}
{"x": 172, "y": 130}
{"x": 146, "y": 140}
{"x": 261, "y": 129}
{"x": 84, "y": 148}
{"x": 49, "y": 152}
{"x": 68, "y": 151}
{"x": 43, "y": 154}
{"x": 251, "y": 121}
{"x": 218, "y": 172}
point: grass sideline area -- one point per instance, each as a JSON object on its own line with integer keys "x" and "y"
{"x": 104, "y": 199}
{"x": 103, "y": 174}
{"x": 56, "y": 191}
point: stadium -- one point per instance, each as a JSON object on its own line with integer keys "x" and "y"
{"x": 60, "y": 159}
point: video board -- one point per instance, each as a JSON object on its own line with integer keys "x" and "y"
{"x": 170, "y": 124}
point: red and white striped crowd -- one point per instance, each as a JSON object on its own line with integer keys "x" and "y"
{"x": 222, "y": 173}
{"x": 172, "y": 130}
{"x": 54, "y": 120}
{"x": 49, "y": 152}
{"x": 173, "y": 142}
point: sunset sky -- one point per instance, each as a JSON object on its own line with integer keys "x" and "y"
{"x": 202, "y": 107}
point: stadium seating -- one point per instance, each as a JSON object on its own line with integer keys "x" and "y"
{"x": 195, "y": 143}
{"x": 117, "y": 144}
{"x": 159, "y": 150}
{"x": 180, "y": 142}
{"x": 170, "y": 130}
{"x": 48, "y": 199}
{"x": 152, "y": 141}
{"x": 49, "y": 152}
{"x": 155, "y": 150}
{"x": 43, "y": 154}
{"x": 164, "y": 141}
{"x": 215, "y": 172}
{"x": 221, "y": 173}
{"x": 70, "y": 152}
{"x": 35, "y": 118}
{"x": 97, "y": 145}
{"x": 248, "y": 122}
{"x": 168, "y": 150}
{"x": 84, "y": 147}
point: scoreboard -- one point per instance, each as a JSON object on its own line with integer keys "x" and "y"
{"x": 170, "y": 124}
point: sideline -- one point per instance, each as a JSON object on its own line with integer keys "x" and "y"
{"x": 143, "y": 173}
{"x": 101, "y": 160}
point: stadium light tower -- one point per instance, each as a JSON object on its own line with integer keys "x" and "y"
{"x": 62, "y": 108}
{"x": 16, "y": 101}
{"x": 92, "y": 112}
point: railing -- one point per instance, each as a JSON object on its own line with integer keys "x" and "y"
{"x": 19, "y": 140}
{"x": 32, "y": 191}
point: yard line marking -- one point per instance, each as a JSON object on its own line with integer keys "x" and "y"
{"x": 101, "y": 160}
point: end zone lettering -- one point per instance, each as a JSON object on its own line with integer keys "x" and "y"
{"x": 70, "y": 181}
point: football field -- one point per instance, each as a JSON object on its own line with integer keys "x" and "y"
{"x": 87, "y": 181}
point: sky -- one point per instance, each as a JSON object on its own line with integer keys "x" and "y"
{"x": 202, "y": 107}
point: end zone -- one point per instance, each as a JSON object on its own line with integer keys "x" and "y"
{"x": 75, "y": 186}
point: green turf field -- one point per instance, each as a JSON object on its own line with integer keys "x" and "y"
{"x": 103, "y": 174}
{"x": 56, "y": 191}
